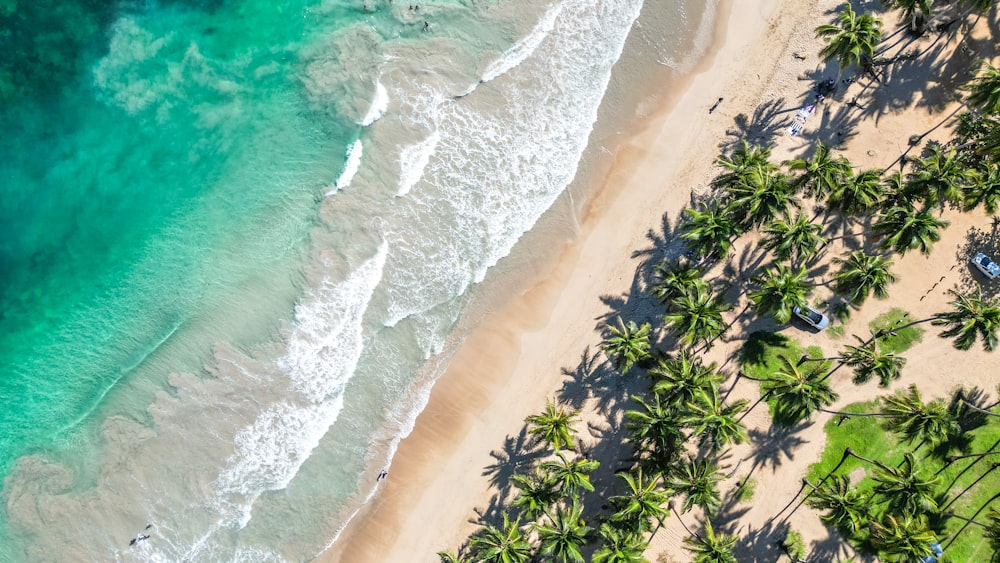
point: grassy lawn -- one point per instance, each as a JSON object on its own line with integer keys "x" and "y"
{"x": 761, "y": 356}
{"x": 901, "y": 340}
{"x": 867, "y": 438}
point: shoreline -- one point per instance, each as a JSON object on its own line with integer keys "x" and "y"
{"x": 498, "y": 363}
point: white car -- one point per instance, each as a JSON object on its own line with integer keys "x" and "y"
{"x": 817, "y": 320}
{"x": 986, "y": 265}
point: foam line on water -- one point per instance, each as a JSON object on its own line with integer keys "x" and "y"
{"x": 351, "y": 167}
{"x": 497, "y": 168}
{"x": 323, "y": 351}
{"x": 412, "y": 161}
{"x": 525, "y": 47}
{"x": 380, "y": 104}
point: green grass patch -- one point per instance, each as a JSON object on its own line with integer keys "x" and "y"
{"x": 744, "y": 494}
{"x": 867, "y": 438}
{"x": 836, "y": 332}
{"x": 761, "y": 357}
{"x": 794, "y": 546}
{"x": 762, "y": 352}
{"x": 900, "y": 340}
{"x": 863, "y": 434}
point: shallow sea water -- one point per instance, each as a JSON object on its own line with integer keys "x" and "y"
{"x": 236, "y": 239}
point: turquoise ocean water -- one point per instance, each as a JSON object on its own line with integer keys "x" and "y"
{"x": 234, "y": 238}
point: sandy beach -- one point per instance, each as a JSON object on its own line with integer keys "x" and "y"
{"x": 545, "y": 342}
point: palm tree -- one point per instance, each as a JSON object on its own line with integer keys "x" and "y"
{"x": 984, "y": 89}
{"x": 537, "y": 494}
{"x": 862, "y": 275}
{"x": 505, "y": 544}
{"x": 821, "y": 174}
{"x": 745, "y": 158}
{"x": 798, "y": 393}
{"x": 984, "y": 191}
{"x": 620, "y": 547}
{"x": 627, "y": 345}
{"x": 711, "y": 547}
{"x": 972, "y": 317}
{"x": 673, "y": 281}
{"x": 554, "y": 425}
{"x": 938, "y": 178}
{"x": 655, "y": 429}
{"x": 908, "y": 416}
{"x": 682, "y": 378}
{"x": 868, "y": 361}
{"x": 917, "y": 12}
{"x": 902, "y": 539}
{"x": 795, "y": 241}
{"x": 848, "y": 507}
{"x": 641, "y": 504}
{"x": 904, "y": 229}
{"x": 852, "y": 40}
{"x": 697, "y": 316}
{"x": 565, "y": 534}
{"x": 857, "y": 193}
{"x": 781, "y": 290}
{"x": 571, "y": 475}
{"x": 716, "y": 425}
{"x": 449, "y": 557}
{"x": 762, "y": 195}
{"x": 710, "y": 231}
{"x": 698, "y": 480}
{"x": 905, "y": 490}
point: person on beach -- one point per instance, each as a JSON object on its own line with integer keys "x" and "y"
{"x": 381, "y": 475}
{"x": 715, "y": 105}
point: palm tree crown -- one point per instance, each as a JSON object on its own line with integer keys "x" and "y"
{"x": 862, "y": 275}
{"x": 868, "y": 361}
{"x": 711, "y": 547}
{"x": 627, "y": 345}
{"x": 505, "y": 544}
{"x": 697, "y": 316}
{"x": 852, "y": 39}
{"x": 984, "y": 89}
{"x": 904, "y": 228}
{"x": 781, "y": 290}
{"x": 821, "y": 173}
{"x": 798, "y": 393}
{"x": 972, "y": 317}
{"x": 563, "y": 537}
{"x": 795, "y": 241}
{"x": 554, "y": 425}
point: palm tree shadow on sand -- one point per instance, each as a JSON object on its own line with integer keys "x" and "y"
{"x": 762, "y": 128}
{"x": 518, "y": 455}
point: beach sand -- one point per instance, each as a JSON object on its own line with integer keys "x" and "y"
{"x": 470, "y": 437}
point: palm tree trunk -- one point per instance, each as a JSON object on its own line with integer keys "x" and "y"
{"x": 848, "y": 452}
{"x": 874, "y": 462}
{"x": 962, "y": 472}
{"x": 970, "y": 520}
{"x": 965, "y": 490}
{"x": 850, "y": 414}
{"x": 670, "y": 507}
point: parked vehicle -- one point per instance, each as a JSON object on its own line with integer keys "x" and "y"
{"x": 817, "y": 320}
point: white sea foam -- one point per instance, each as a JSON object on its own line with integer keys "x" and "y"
{"x": 525, "y": 47}
{"x": 379, "y": 105}
{"x": 497, "y": 167}
{"x": 321, "y": 357}
{"x": 351, "y": 167}
{"x": 413, "y": 159}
